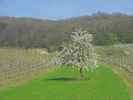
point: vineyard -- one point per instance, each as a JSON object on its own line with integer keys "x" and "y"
{"x": 120, "y": 59}
{"x": 20, "y": 64}
{"x": 16, "y": 64}
{"x": 118, "y": 55}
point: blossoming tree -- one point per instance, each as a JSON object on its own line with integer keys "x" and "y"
{"x": 79, "y": 52}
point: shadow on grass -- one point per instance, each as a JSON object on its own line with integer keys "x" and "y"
{"x": 65, "y": 79}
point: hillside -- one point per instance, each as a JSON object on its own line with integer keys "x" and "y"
{"x": 30, "y": 32}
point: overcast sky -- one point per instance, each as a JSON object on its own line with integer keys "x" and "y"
{"x": 59, "y": 9}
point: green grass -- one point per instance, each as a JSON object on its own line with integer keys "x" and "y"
{"x": 63, "y": 84}
{"x": 119, "y": 59}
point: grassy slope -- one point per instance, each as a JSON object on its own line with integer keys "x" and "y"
{"x": 61, "y": 84}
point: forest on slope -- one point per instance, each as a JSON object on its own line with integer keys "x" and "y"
{"x": 21, "y": 32}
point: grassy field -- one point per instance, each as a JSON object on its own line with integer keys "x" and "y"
{"x": 63, "y": 84}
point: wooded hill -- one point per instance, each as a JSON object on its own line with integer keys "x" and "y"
{"x": 35, "y": 33}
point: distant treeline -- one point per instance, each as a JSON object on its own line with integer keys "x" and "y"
{"x": 35, "y": 33}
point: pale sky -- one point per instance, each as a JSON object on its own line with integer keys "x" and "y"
{"x": 60, "y": 9}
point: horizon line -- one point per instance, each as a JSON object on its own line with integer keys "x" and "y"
{"x": 70, "y": 17}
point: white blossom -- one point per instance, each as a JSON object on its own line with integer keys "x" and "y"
{"x": 79, "y": 51}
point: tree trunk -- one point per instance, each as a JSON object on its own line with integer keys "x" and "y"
{"x": 81, "y": 72}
